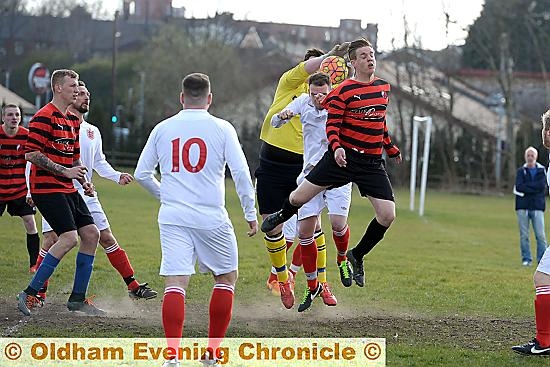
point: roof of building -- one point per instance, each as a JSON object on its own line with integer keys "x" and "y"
{"x": 7, "y": 96}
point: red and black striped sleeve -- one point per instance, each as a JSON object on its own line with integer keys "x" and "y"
{"x": 40, "y": 132}
{"x": 391, "y": 149}
{"x": 336, "y": 108}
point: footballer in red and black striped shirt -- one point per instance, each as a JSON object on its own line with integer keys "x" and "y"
{"x": 53, "y": 149}
{"x": 54, "y": 134}
{"x": 13, "y": 185}
{"x": 357, "y": 117}
{"x": 357, "y": 135}
{"x": 12, "y": 156}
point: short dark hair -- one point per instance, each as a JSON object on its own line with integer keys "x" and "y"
{"x": 319, "y": 79}
{"x": 313, "y": 52}
{"x": 354, "y": 45}
{"x": 9, "y": 105}
{"x": 196, "y": 85}
{"x": 58, "y": 75}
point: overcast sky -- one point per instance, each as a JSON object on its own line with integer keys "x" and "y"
{"x": 425, "y": 17}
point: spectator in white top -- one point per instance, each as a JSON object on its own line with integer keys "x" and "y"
{"x": 193, "y": 148}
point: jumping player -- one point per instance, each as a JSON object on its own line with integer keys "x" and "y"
{"x": 281, "y": 160}
{"x": 313, "y": 117}
{"x": 357, "y": 136}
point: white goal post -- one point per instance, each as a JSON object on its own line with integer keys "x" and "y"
{"x": 417, "y": 120}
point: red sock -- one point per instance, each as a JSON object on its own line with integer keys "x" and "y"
{"x": 309, "y": 258}
{"x": 221, "y": 307}
{"x": 542, "y": 315}
{"x": 40, "y": 257}
{"x": 119, "y": 260}
{"x": 289, "y": 245}
{"x": 42, "y": 291}
{"x": 272, "y": 277}
{"x": 341, "y": 240}
{"x": 173, "y": 315}
{"x": 297, "y": 256}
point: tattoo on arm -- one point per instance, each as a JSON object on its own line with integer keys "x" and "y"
{"x": 44, "y": 162}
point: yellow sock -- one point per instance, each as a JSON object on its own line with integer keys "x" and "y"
{"x": 321, "y": 257}
{"x": 276, "y": 248}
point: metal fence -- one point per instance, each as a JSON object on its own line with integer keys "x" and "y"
{"x": 122, "y": 159}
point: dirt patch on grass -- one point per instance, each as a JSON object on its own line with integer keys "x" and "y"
{"x": 266, "y": 318}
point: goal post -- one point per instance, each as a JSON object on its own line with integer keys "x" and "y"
{"x": 417, "y": 120}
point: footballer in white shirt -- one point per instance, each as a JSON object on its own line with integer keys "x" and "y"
{"x": 313, "y": 117}
{"x": 193, "y": 148}
{"x": 91, "y": 156}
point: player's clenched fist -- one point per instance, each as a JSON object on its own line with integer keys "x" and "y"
{"x": 76, "y": 172}
{"x": 88, "y": 188}
{"x": 286, "y": 115}
{"x": 125, "y": 179}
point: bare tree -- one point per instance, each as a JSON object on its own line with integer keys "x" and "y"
{"x": 63, "y": 8}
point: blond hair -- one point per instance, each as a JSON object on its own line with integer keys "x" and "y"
{"x": 59, "y": 75}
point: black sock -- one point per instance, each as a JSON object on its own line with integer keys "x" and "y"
{"x": 33, "y": 247}
{"x": 31, "y": 291}
{"x": 77, "y": 297}
{"x": 374, "y": 234}
{"x": 129, "y": 279}
{"x": 288, "y": 210}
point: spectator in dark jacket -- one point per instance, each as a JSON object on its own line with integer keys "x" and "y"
{"x": 531, "y": 190}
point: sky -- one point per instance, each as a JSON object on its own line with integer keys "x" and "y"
{"x": 425, "y": 18}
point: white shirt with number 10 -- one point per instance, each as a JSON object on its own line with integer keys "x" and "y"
{"x": 193, "y": 148}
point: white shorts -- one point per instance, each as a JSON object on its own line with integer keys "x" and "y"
{"x": 544, "y": 264}
{"x": 289, "y": 228}
{"x": 215, "y": 250}
{"x": 95, "y": 208}
{"x": 336, "y": 200}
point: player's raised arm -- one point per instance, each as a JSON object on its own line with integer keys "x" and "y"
{"x": 313, "y": 64}
{"x": 291, "y": 110}
{"x": 145, "y": 169}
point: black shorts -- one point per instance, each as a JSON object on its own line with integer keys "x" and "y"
{"x": 275, "y": 180}
{"x": 17, "y": 207}
{"x": 369, "y": 174}
{"x": 63, "y": 212}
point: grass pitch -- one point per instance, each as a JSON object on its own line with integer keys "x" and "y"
{"x": 446, "y": 289}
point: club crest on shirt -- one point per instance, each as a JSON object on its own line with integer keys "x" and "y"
{"x": 90, "y": 134}
{"x": 384, "y": 94}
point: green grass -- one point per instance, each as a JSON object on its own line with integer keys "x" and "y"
{"x": 460, "y": 260}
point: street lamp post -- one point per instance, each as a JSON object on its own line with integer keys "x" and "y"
{"x": 116, "y": 35}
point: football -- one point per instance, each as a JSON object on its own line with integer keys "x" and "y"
{"x": 336, "y": 68}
